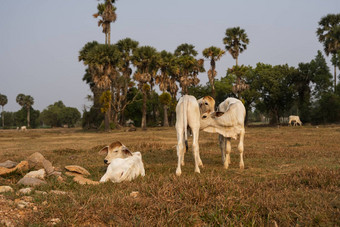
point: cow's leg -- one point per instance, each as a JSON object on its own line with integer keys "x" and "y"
{"x": 180, "y": 152}
{"x": 228, "y": 149}
{"x": 241, "y": 148}
{"x": 222, "y": 142}
{"x": 195, "y": 148}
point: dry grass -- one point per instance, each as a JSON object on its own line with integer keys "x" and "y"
{"x": 291, "y": 176}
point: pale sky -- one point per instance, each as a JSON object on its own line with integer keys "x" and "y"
{"x": 40, "y": 39}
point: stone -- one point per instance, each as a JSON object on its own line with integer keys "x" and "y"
{"x": 82, "y": 180}
{"x": 29, "y": 181}
{"x": 6, "y": 189}
{"x": 48, "y": 167}
{"x": 8, "y": 164}
{"x": 35, "y": 160}
{"x": 39, "y": 174}
{"x": 58, "y": 192}
{"x": 21, "y": 167}
{"x": 40, "y": 192}
{"x": 72, "y": 174}
{"x": 134, "y": 194}
{"x": 77, "y": 169}
{"x": 25, "y": 191}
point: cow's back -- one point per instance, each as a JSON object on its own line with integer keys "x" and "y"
{"x": 191, "y": 111}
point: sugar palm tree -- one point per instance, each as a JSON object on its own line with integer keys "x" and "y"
{"x": 3, "y": 102}
{"x": 188, "y": 66}
{"x": 214, "y": 54}
{"x": 26, "y": 101}
{"x": 145, "y": 60}
{"x": 107, "y": 12}
{"x": 236, "y": 41}
{"x": 328, "y": 33}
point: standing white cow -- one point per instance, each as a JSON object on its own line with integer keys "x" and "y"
{"x": 187, "y": 114}
{"x": 229, "y": 123}
{"x": 295, "y": 119}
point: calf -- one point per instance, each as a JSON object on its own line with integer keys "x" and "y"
{"x": 187, "y": 114}
{"x": 124, "y": 165}
{"x": 229, "y": 123}
{"x": 206, "y": 104}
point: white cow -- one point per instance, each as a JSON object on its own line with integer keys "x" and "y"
{"x": 123, "y": 164}
{"x": 187, "y": 113}
{"x": 206, "y": 104}
{"x": 23, "y": 128}
{"x": 229, "y": 123}
{"x": 295, "y": 119}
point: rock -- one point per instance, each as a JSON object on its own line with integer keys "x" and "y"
{"x": 56, "y": 173}
{"x": 8, "y": 164}
{"x": 40, "y": 192}
{"x": 22, "y": 167}
{"x": 48, "y": 167}
{"x": 72, "y": 174}
{"x": 82, "y": 180}
{"x": 6, "y": 189}
{"x": 21, "y": 204}
{"x": 25, "y": 191}
{"x": 134, "y": 194}
{"x": 35, "y": 160}
{"x": 77, "y": 169}
{"x": 58, "y": 192}
{"x": 29, "y": 181}
{"x": 39, "y": 174}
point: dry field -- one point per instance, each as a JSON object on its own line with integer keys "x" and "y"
{"x": 291, "y": 177}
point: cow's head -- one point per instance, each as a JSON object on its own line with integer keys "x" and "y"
{"x": 206, "y": 104}
{"x": 115, "y": 150}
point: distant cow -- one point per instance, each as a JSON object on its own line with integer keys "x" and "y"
{"x": 23, "y": 128}
{"x": 295, "y": 119}
{"x": 124, "y": 165}
{"x": 187, "y": 114}
{"x": 229, "y": 123}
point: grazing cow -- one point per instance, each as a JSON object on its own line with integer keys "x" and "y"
{"x": 187, "y": 114}
{"x": 295, "y": 119}
{"x": 229, "y": 123}
{"x": 124, "y": 165}
{"x": 206, "y": 104}
{"x": 23, "y": 128}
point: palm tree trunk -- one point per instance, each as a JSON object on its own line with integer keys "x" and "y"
{"x": 3, "y": 118}
{"x": 28, "y": 117}
{"x": 236, "y": 60}
{"x": 109, "y": 35}
{"x": 107, "y": 121}
{"x": 334, "y": 78}
{"x": 144, "y": 111}
{"x": 166, "y": 121}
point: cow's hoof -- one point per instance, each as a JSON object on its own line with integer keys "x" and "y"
{"x": 178, "y": 173}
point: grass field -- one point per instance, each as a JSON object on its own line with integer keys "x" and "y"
{"x": 291, "y": 176}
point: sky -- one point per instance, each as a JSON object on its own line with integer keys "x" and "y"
{"x": 40, "y": 39}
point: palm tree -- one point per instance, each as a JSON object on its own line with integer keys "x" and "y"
{"x": 214, "y": 54}
{"x": 236, "y": 41}
{"x": 126, "y": 47}
{"x": 107, "y": 12}
{"x": 188, "y": 66}
{"x": 26, "y": 101}
{"x": 3, "y": 102}
{"x": 145, "y": 59}
{"x": 328, "y": 33}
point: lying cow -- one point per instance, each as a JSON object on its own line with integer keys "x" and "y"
{"x": 295, "y": 119}
{"x": 123, "y": 164}
{"x": 229, "y": 123}
{"x": 187, "y": 114}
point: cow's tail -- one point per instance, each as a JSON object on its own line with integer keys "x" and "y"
{"x": 185, "y": 121}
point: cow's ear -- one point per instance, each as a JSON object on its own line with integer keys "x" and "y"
{"x": 104, "y": 150}
{"x": 218, "y": 114}
{"x": 126, "y": 151}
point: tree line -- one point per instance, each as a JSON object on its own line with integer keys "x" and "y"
{"x": 125, "y": 74}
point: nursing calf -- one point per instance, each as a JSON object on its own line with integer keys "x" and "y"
{"x": 229, "y": 123}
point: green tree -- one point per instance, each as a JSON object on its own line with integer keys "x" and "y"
{"x": 58, "y": 115}
{"x": 26, "y": 101}
{"x": 145, "y": 59}
{"x": 236, "y": 41}
{"x": 3, "y": 102}
{"x": 213, "y": 54}
{"x": 107, "y": 12}
{"x": 328, "y": 33}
